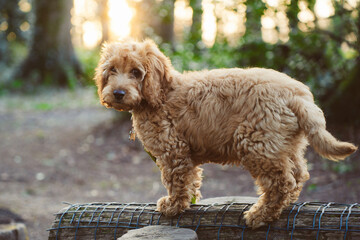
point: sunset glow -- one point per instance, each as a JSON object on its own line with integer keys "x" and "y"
{"x": 324, "y": 8}
{"x": 182, "y": 17}
{"x": 218, "y": 20}
{"x": 208, "y": 26}
{"x": 92, "y": 34}
{"x": 120, "y": 15}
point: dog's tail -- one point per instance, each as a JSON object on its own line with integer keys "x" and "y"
{"x": 311, "y": 119}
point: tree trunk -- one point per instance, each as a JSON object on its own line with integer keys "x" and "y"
{"x": 165, "y": 29}
{"x": 292, "y": 14}
{"x": 104, "y": 18}
{"x": 153, "y": 19}
{"x": 342, "y": 103}
{"x": 254, "y": 11}
{"x": 51, "y": 59}
{"x": 195, "y": 35}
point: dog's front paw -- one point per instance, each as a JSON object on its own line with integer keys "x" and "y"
{"x": 254, "y": 218}
{"x": 169, "y": 207}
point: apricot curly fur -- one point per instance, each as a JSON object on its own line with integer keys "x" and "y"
{"x": 258, "y": 118}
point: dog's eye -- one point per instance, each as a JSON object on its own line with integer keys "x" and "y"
{"x": 136, "y": 73}
{"x": 113, "y": 70}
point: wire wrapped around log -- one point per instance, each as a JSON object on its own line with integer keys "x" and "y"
{"x": 307, "y": 220}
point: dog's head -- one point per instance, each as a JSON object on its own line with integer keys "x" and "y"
{"x": 130, "y": 74}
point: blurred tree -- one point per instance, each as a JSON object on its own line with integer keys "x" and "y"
{"x": 51, "y": 59}
{"x": 165, "y": 27}
{"x": 292, "y": 12}
{"x": 254, "y": 11}
{"x": 11, "y": 18}
{"x": 104, "y": 18}
{"x": 342, "y": 99}
{"x": 195, "y": 34}
{"x": 154, "y": 19}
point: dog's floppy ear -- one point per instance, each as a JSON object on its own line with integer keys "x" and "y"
{"x": 157, "y": 74}
{"x": 101, "y": 72}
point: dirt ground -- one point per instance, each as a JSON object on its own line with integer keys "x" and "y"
{"x": 64, "y": 147}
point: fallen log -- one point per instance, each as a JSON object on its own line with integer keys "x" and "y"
{"x": 307, "y": 220}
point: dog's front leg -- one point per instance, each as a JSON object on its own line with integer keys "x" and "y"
{"x": 182, "y": 180}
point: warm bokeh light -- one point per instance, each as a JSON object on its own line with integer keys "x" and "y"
{"x": 87, "y": 30}
{"x": 24, "y": 6}
{"x": 92, "y": 34}
{"x": 182, "y": 17}
{"x": 219, "y": 20}
{"x": 25, "y": 26}
{"x": 120, "y": 14}
{"x": 87, "y": 24}
{"x": 351, "y": 4}
{"x": 305, "y": 15}
{"x": 273, "y": 3}
{"x": 268, "y": 22}
{"x": 324, "y": 8}
{"x": 274, "y": 22}
{"x": 231, "y": 20}
{"x": 4, "y": 26}
{"x": 268, "y": 26}
{"x": 208, "y": 26}
{"x": 283, "y": 25}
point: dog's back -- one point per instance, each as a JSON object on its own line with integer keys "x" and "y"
{"x": 225, "y": 112}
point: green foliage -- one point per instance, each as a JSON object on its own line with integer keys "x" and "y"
{"x": 193, "y": 200}
{"x": 342, "y": 167}
{"x": 184, "y": 59}
{"x": 89, "y": 59}
{"x": 312, "y": 187}
{"x": 43, "y": 106}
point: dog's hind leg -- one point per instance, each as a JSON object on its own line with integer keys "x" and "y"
{"x": 276, "y": 181}
{"x": 301, "y": 175}
{"x": 299, "y": 166}
{"x": 300, "y": 171}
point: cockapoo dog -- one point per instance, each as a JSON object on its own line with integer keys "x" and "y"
{"x": 258, "y": 118}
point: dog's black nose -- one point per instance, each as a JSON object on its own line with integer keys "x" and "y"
{"x": 119, "y": 94}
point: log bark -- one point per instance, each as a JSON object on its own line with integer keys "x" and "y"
{"x": 210, "y": 221}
